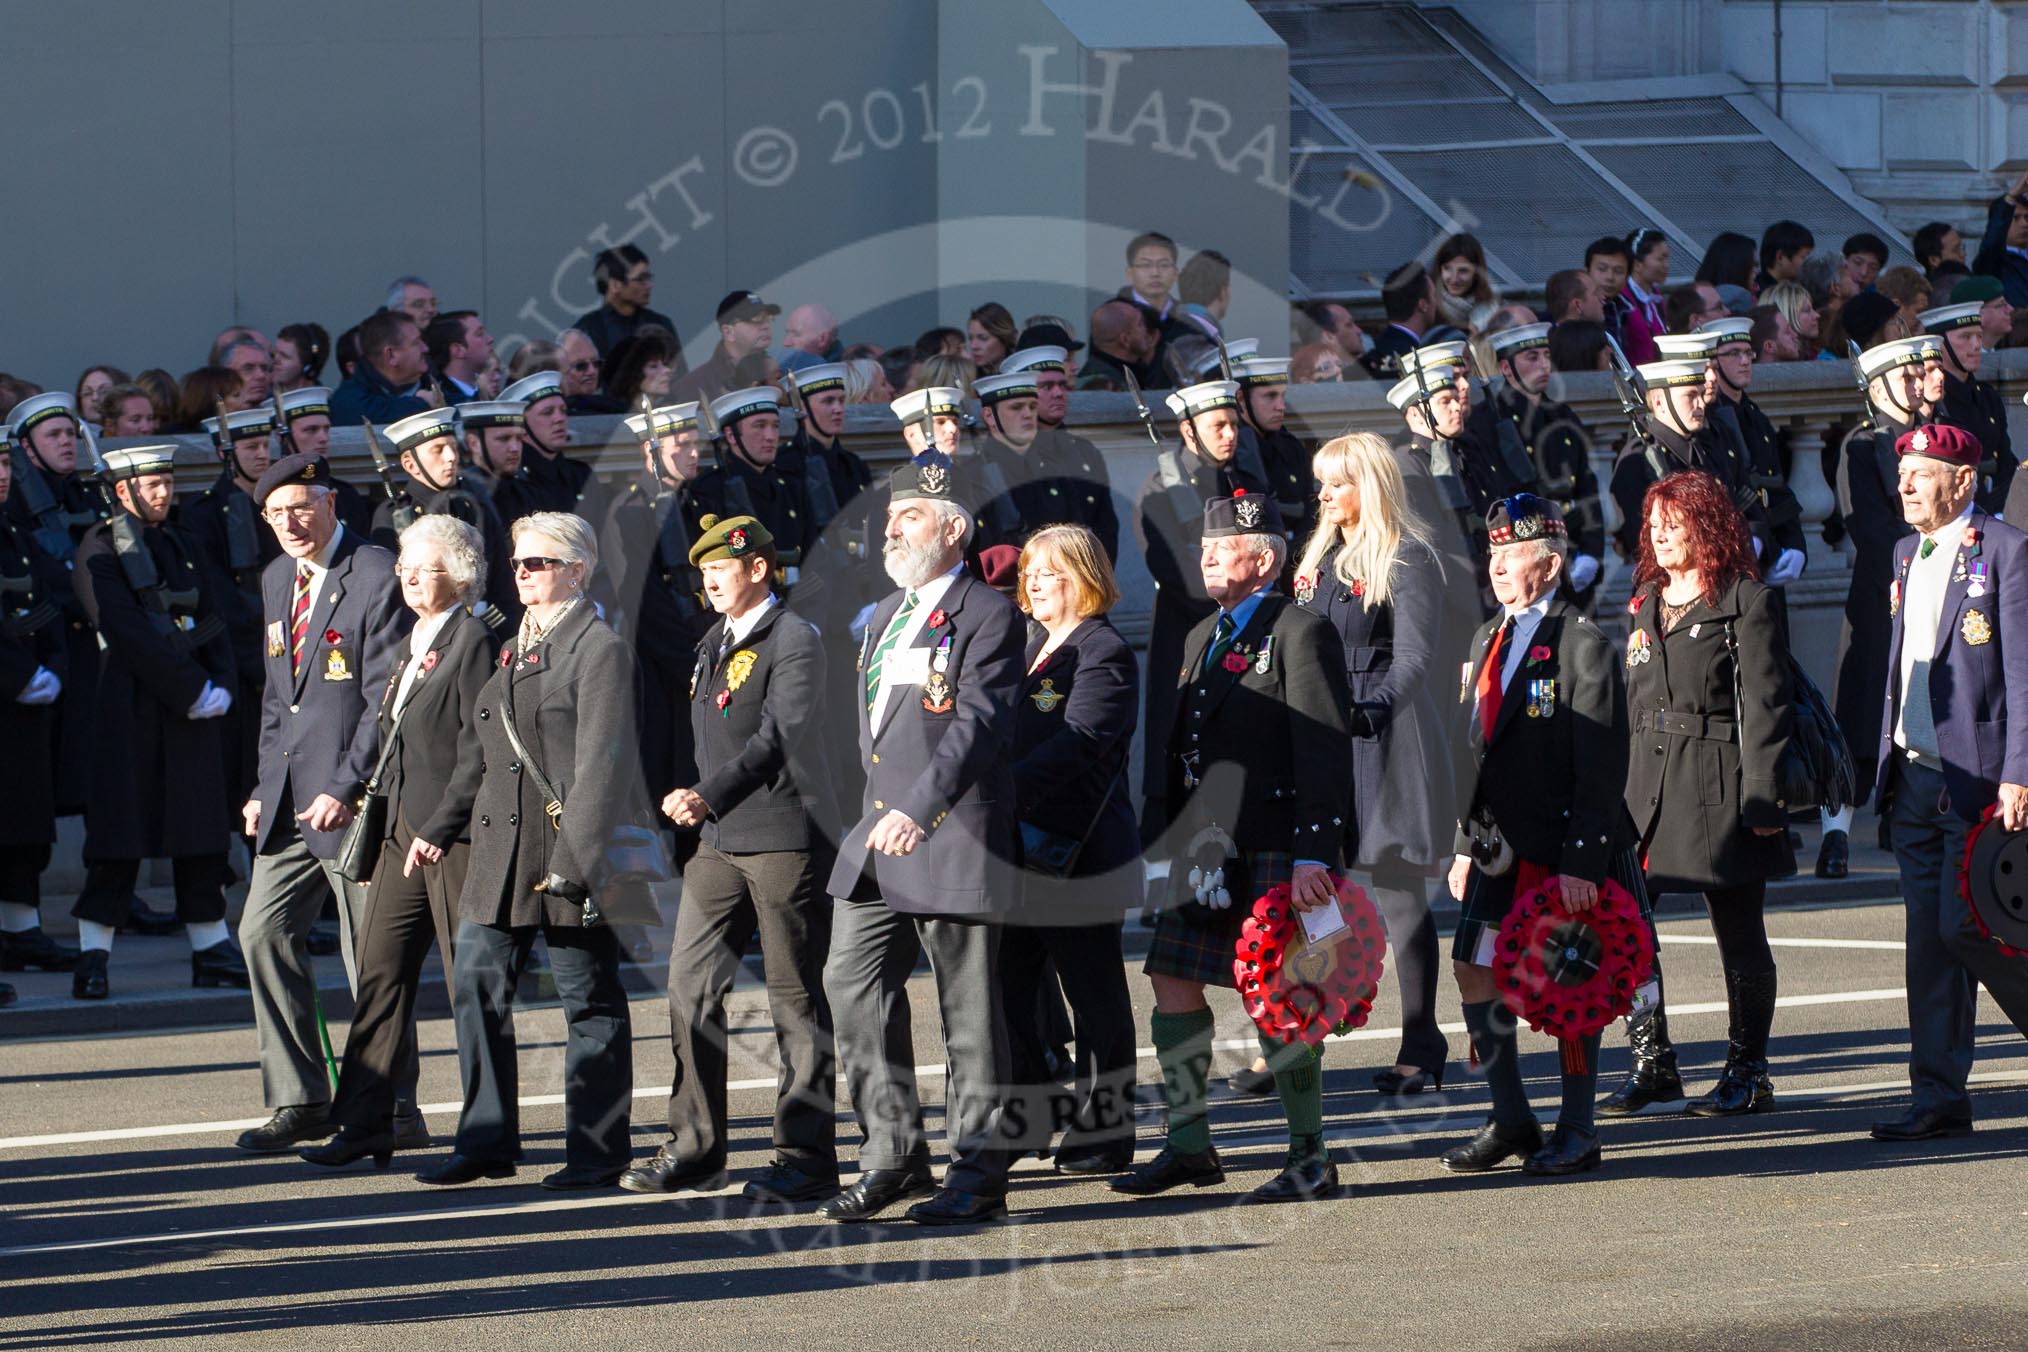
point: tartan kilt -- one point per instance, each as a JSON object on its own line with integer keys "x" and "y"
{"x": 1198, "y": 943}
{"x": 1488, "y": 901}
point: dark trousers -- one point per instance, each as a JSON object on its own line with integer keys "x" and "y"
{"x": 1403, "y": 902}
{"x": 598, "y": 1055}
{"x": 404, "y": 916}
{"x": 1094, "y": 976}
{"x": 108, "y": 891}
{"x": 873, "y": 950}
{"x": 21, "y": 868}
{"x": 726, "y": 898}
{"x": 1947, "y": 957}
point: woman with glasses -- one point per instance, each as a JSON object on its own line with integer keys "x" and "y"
{"x": 428, "y": 712}
{"x": 551, "y": 774}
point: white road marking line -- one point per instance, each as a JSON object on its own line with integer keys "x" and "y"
{"x": 930, "y": 1071}
{"x": 1884, "y": 945}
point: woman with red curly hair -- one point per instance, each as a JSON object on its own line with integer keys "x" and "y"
{"x": 1709, "y": 700}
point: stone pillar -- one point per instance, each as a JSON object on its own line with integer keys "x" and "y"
{"x": 1816, "y": 600}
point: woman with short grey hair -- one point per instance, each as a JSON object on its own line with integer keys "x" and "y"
{"x": 461, "y": 552}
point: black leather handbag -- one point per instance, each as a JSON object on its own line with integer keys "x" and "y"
{"x": 359, "y": 847}
{"x": 1815, "y": 766}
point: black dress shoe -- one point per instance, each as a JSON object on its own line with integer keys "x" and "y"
{"x": 784, "y": 1182}
{"x": 1247, "y": 1080}
{"x": 145, "y": 920}
{"x": 289, "y": 1126}
{"x": 1743, "y": 1087}
{"x": 952, "y": 1207}
{"x": 1834, "y": 856}
{"x": 321, "y": 943}
{"x": 584, "y": 1177}
{"x": 875, "y": 1192}
{"x": 667, "y": 1172}
{"x": 32, "y": 948}
{"x": 1172, "y": 1168}
{"x": 1922, "y": 1124}
{"x": 459, "y": 1170}
{"x": 1568, "y": 1152}
{"x": 219, "y": 965}
{"x": 1651, "y": 1083}
{"x": 1095, "y": 1158}
{"x": 88, "y": 979}
{"x": 1310, "y": 1174}
{"x": 1493, "y": 1145}
{"x": 348, "y": 1147}
{"x": 410, "y": 1131}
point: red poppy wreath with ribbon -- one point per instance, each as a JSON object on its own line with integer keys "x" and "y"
{"x": 1569, "y": 975}
{"x": 1993, "y": 878}
{"x": 1303, "y": 992}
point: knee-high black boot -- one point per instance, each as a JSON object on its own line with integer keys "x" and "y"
{"x": 1743, "y": 1086}
{"x": 1654, "y": 1078}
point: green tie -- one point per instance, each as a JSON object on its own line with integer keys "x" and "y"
{"x": 888, "y": 639}
{"x": 1221, "y": 640}
{"x": 1928, "y": 548}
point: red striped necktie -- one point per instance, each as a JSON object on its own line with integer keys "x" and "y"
{"x": 299, "y": 619}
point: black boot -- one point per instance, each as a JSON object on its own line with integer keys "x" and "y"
{"x": 1834, "y": 856}
{"x": 1743, "y": 1086}
{"x": 88, "y": 978}
{"x": 1655, "y": 1078}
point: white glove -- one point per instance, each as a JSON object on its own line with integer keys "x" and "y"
{"x": 1583, "y": 572}
{"x": 791, "y": 575}
{"x": 211, "y": 702}
{"x": 862, "y": 619}
{"x": 1788, "y": 566}
{"x": 42, "y": 688}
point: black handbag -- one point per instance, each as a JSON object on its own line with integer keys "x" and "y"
{"x": 359, "y": 847}
{"x": 1815, "y": 767}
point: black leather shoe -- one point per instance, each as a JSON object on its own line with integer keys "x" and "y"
{"x": 145, "y": 920}
{"x": 349, "y": 1147}
{"x": 1652, "y": 1083}
{"x": 875, "y": 1192}
{"x": 410, "y": 1131}
{"x": 32, "y": 948}
{"x": 584, "y": 1177}
{"x": 1922, "y": 1124}
{"x": 288, "y": 1127}
{"x": 1172, "y": 1168}
{"x": 666, "y": 1172}
{"x": 7, "y": 996}
{"x": 1743, "y": 1087}
{"x": 88, "y": 979}
{"x": 1834, "y": 856}
{"x": 1493, "y": 1145}
{"x": 219, "y": 965}
{"x": 1568, "y": 1152}
{"x": 459, "y": 1170}
{"x": 785, "y": 1183}
{"x": 1247, "y": 1080}
{"x": 322, "y": 943}
{"x": 1310, "y": 1175}
{"x": 1095, "y": 1159}
{"x": 952, "y": 1207}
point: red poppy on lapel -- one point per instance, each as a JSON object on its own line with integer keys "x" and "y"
{"x": 332, "y": 636}
{"x": 506, "y": 658}
{"x": 1359, "y": 586}
{"x": 1539, "y": 653}
{"x": 937, "y": 620}
{"x": 429, "y": 661}
{"x": 1634, "y": 604}
{"x": 1234, "y": 663}
{"x": 531, "y": 658}
{"x": 723, "y": 698}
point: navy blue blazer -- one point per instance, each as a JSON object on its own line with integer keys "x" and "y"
{"x": 320, "y": 728}
{"x": 1072, "y": 731}
{"x": 1972, "y": 686}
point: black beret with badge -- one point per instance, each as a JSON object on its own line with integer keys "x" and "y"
{"x": 313, "y": 470}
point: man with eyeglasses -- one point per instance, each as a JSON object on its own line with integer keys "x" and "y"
{"x": 1151, "y": 284}
{"x": 428, "y": 446}
{"x": 582, "y": 378}
{"x": 334, "y": 621}
{"x": 550, "y": 480}
{"x": 746, "y": 325}
{"x": 626, "y": 283}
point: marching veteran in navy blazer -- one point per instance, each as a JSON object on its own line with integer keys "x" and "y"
{"x": 929, "y": 865}
{"x": 1953, "y": 742}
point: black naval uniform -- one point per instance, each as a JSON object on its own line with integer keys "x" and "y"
{"x": 57, "y": 512}
{"x": 1285, "y": 468}
{"x": 736, "y": 487}
{"x": 467, "y": 503}
{"x": 1540, "y": 446}
{"x": 1709, "y": 450}
{"x": 31, "y": 637}
{"x": 158, "y": 784}
{"x": 547, "y": 483}
{"x": 1777, "y": 524}
{"x": 1976, "y": 406}
{"x": 1047, "y": 483}
{"x": 1869, "y": 499}
{"x": 224, "y": 525}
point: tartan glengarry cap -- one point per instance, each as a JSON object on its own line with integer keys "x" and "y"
{"x": 1952, "y": 445}
{"x": 1244, "y": 513}
{"x": 732, "y": 537}
{"x": 1523, "y": 516}
{"x": 313, "y": 470}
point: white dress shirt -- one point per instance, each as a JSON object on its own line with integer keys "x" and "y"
{"x": 1921, "y": 612}
{"x": 736, "y": 630}
{"x": 420, "y": 640}
{"x": 928, "y": 595}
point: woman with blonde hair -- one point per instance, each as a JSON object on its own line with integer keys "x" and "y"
{"x": 944, "y": 370}
{"x": 1371, "y": 569}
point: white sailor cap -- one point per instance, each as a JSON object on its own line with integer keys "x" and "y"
{"x": 417, "y": 429}
{"x": 41, "y": 408}
{"x": 133, "y": 461}
{"x": 1685, "y": 346}
{"x": 1044, "y": 358}
{"x": 528, "y": 389}
{"x": 1433, "y": 357}
{"x": 1518, "y": 339}
{"x": 670, "y": 419}
{"x": 942, "y": 401}
{"x": 245, "y": 425}
{"x": 1931, "y": 345}
{"x": 1236, "y": 351}
{"x": 1192, "y": 400}
{"x": 1884, "y": 357}
{"x": 1007, "y": 385}
{"x": 1409, "y": 389}
{"x": 1944, "y": 318}
{"x": 728, "y": 409}
{"x": 1661, "y": 375}
{"x": 306, "y": 402}
{"x": 483, "y": 413}
{"x": 1727, "y": 330}
{"x": 1257, "y": 372}
{"x": 818, "y": 379}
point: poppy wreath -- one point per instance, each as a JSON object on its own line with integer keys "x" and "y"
{"x": 1979, "y": 832}
{"x": 1302, "y": 992}
{"x": 1571, "y": 975}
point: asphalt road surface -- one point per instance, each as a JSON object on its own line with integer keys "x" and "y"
{"x": 126, "y": 1215}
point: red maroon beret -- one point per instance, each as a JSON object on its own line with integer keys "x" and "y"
{"x": 1952, "y": 445}
{"x": 1000, "y": 567}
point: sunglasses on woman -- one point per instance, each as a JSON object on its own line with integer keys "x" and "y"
{"x": 537, "y": 564}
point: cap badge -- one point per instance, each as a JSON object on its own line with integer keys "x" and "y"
{"x": 1246, "y": 511}
{"x": 933, "y": 478}
{"x": 1919, "y": 441}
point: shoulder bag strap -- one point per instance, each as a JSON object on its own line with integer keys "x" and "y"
{"x": 552, "y": 802}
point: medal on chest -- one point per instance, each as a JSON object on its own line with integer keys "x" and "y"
{"x": 1979, "y": 575}
{"x": 1046, "y": 698}
{"x": 1542, "y": 698}
{"x": 938, "y": 697}
{"x": 1264, "y": 656}
{"x": 278, "y": 642}
{"x": 1976, "y": 628}
{"x": 1640, "y": 648}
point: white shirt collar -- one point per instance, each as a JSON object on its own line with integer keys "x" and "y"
{"x": 932, "y": 591}
{"x": 320, "y": 562}
{"x": 736, "y": 630}
{"x": 1948, "y": 534}
{"x": 424, "y": 636}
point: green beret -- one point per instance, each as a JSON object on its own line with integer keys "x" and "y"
{"x": 734, "y": 537}
{"x": 1980, "y": 289}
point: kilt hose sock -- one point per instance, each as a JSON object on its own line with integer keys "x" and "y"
{"x": 1183, "y": 1051}
{"x": 1580, "y": 1089}
{"x": 1491, "y": 1025}
{"x": 1299, "y": 1079}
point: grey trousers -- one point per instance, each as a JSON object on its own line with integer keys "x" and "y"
{"x": 284, "y": 896}
{"x": 1948, "y": 959}
{"x": 873, "y": 950}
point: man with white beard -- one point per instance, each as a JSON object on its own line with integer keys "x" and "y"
{"x": 928, "y": 864}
